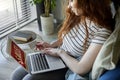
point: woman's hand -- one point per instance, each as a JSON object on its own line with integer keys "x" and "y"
{"x": 54, "y": 52}
{"x": 43, "y": 45}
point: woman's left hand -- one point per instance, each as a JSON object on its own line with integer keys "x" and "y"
{"x": 53, "y": 51}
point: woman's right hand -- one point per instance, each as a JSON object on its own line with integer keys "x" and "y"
{"x": 42, "y": 45}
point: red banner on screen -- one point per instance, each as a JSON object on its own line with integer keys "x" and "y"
{"x": 18, "y": 54}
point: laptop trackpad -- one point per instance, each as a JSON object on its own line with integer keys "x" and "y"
{"x": 55, "y": 62}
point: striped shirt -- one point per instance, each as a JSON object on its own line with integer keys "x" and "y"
{"x": 73, "y": 42}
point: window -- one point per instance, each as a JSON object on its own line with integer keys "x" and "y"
{"x": 14, "y": 14}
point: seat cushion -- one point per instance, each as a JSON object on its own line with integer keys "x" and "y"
{"x": 109, "y": 53}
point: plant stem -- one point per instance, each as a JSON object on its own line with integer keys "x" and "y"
{"x": 47, "y": 7}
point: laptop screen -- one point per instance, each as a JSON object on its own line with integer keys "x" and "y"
{"x": 18, "y": 54}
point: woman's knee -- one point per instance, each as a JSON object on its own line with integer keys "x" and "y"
{"x": 18, "y": 73}
{"x": 36, "y": 77}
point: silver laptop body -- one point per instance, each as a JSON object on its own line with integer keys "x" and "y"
{"x": 37, "y": 62}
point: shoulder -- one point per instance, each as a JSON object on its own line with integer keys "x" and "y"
{"x": 101, "y": 35}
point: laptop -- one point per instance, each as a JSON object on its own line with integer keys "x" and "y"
{"x": 34, "y": 62}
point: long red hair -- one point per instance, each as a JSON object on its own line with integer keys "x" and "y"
{"x": 98, "y": 11}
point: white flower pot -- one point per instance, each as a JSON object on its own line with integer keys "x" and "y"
{"x": 47, "y": 25}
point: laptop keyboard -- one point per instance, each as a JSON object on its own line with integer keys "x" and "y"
{"x": 39, "y": 62}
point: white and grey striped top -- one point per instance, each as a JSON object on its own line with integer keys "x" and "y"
{"x": 73, "y": 41}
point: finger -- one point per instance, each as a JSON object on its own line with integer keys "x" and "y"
{"x": 46, "y": 50}
{"x": 39, "y": 48}
{"x": 39, "y": 42}
{"x": 38, "y": 45}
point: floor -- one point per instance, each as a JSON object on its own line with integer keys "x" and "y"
{"x": 8, "y": 66}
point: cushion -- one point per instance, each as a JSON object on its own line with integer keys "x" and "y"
{"x": 109, "y": 53}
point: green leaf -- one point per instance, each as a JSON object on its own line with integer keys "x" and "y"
{"x": 52, "y": 4}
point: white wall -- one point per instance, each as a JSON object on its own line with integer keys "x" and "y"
{"x": 58, "y": 12}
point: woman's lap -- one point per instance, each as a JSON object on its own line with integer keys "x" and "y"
{"x": 21, "y": 74}
{"x": 53, "y": 75}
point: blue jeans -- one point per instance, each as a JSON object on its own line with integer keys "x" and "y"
{"x": 112, "y": 74}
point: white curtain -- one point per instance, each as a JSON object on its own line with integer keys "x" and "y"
{"x": 14, "y": 14}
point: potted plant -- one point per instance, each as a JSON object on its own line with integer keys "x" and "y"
{"x": 46, "y": 18}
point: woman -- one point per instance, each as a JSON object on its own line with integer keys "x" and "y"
{"x": 87, "y": 25}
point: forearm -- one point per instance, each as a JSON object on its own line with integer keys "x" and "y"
{"x": 72, "y": 63}
{"x": 85, "y": 64}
